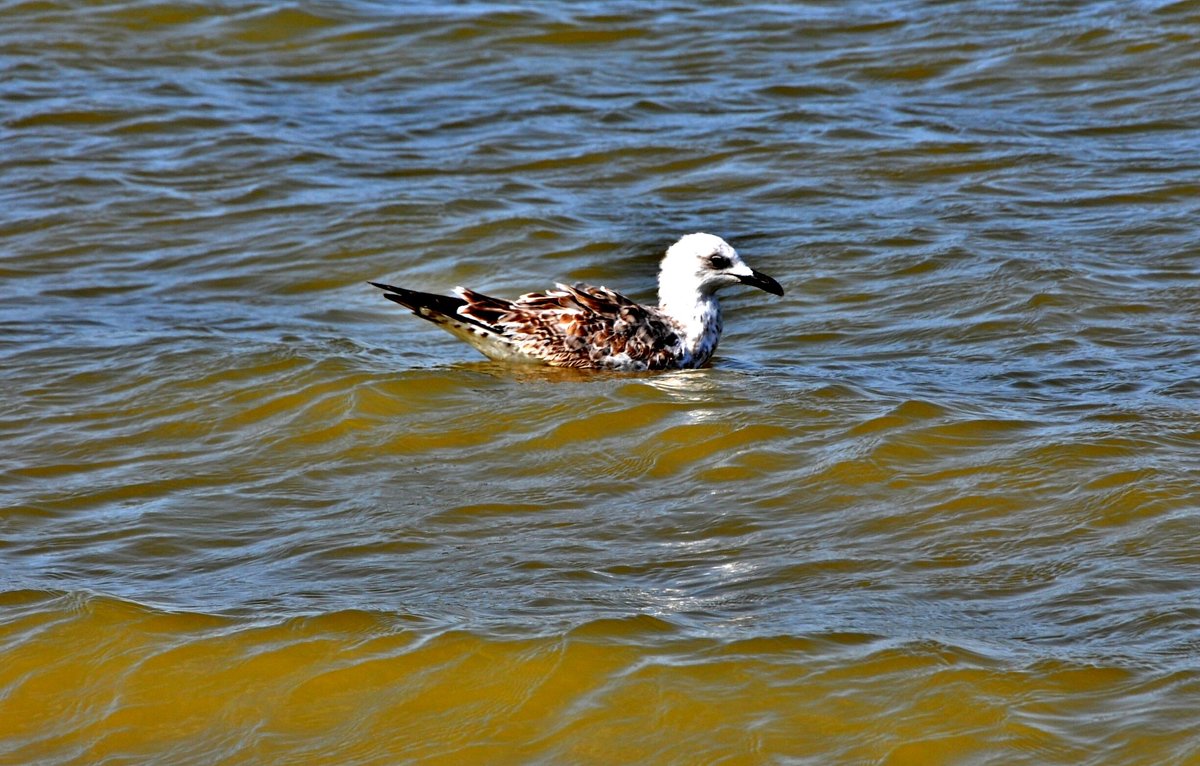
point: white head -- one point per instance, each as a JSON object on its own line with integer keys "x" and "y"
{"x": 698, "y": 265}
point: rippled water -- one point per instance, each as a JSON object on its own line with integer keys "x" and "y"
{"x": 939, "y": 504}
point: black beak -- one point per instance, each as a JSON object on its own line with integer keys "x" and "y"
{"x": 761, "y": 281}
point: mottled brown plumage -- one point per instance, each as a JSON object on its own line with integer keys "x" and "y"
{"x": 595, "y": 327}
{"x": 580, "y": 326}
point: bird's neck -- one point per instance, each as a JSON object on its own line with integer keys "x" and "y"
{"x": 698, "y": 318}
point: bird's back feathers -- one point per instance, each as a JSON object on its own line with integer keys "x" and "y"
{"x": 585, "y": 326}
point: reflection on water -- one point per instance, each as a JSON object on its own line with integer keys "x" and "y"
{"x": 936, "y": 505}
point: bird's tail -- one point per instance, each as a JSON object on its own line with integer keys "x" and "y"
{"x": 425, "y": 305}
{"x": 444, "y": 311}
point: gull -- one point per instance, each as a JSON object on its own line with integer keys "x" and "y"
{"x": 595, "y": 327}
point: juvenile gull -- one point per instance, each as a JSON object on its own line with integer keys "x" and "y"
{"x": 585, "y": 326}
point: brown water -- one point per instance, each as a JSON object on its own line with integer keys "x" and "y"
{"x": 939, "y": 504}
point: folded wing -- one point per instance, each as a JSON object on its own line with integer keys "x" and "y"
{"x": 580, "y": 326}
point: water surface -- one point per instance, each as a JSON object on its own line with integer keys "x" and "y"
{"x": 938, "y": 504}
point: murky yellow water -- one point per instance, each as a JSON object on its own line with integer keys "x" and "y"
{"x": 939, "y": 504}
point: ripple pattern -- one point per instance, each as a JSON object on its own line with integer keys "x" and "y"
{"x": 937, "y": 505}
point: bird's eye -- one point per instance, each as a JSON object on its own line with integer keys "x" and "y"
{"x": 719, "y": 262}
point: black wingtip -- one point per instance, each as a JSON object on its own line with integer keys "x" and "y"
{"x": 420, "y": 303}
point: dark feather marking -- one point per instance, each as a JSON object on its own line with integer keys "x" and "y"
{"x": 579, "y": 326}
{"x": 429, "y": 305}
{"x": 412, "y": 299}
